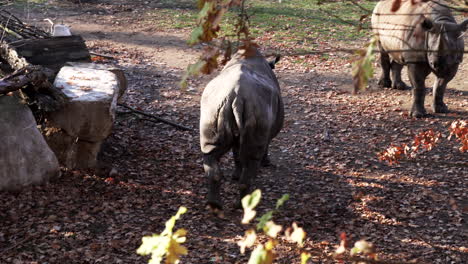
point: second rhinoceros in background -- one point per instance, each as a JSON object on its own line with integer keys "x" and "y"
{"x": 424, "y": 36}
{"x": 240, "y": 109}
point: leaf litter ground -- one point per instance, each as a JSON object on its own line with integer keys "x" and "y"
{"x": 325, "y": 156}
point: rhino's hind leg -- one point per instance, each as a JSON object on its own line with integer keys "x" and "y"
{"x": 249, "y": 172}
{"x": 438, "y": 90}
{"x": 214, "y": 175}
{"x": 251, "y": 154}
{"x": 396, "y": 77}
{"x": 385, "y": 80}
{"x": 417, "y": 73}
{"x": 237, "y": 162}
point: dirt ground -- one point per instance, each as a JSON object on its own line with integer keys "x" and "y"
{"x": 325, "y": 156}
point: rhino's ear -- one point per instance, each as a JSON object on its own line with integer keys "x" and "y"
{"x": 427, "y": 24}
{"x": 464, "y": 25}
{"x": 273, "y": 62}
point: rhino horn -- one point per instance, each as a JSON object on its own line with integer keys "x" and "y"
{"x": 464, "y": 25}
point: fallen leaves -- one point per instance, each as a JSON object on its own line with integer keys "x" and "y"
{"x": 426, "y": 140}
{"x": 459, "y": 129}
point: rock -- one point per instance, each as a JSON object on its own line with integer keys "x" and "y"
{"x": 75, "y": 133}
{"x": 25, "y": 157}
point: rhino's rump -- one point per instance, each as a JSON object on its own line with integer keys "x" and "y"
{"x": 238, "y": 102}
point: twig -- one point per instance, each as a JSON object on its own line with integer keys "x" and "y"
{"x": 27, "y": 238}
{"x": 157, "y": 118}
{"x": 102, "y": 55}
{"x": 338, "y": 18}
{"x": 14, "y": 81}
{"x": 368, "y": 11}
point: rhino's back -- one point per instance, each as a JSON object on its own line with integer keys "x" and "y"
{"x": 395, "y": 30}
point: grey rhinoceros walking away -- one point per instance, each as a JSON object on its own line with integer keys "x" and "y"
{"x": 241, "y": 109}
{"x": 424, "y": 36}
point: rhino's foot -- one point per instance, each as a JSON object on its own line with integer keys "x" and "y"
{"x": 418, "y": 113}
{"x": 440, "y": 108}
{"x": 236, "y": 174}
{"x": 401, "y": 86}
{"x": 385, "y": 83}
{"x": 215, "y": 207}
{"x": 238, "y": 205}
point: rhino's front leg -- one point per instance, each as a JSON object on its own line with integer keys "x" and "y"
{"x": 385, "y": 80}
{"x": 417, "y": 73}
{"x": 214, "y": 175}
{"x": 438, "y": 90}
{"x": 396, "y": 77}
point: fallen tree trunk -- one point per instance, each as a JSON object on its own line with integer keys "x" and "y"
{"x": 20, "y": 78}
{"x": 51, "y": 52}
{"x": 33, "y": 81}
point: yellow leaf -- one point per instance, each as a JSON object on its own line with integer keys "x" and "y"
{"x": 341, "y": 249}
{"x": 272, "y": 229}
{"x": 248, "y": 240}
{"x": 174, "y": 251}
{"x": 304, "y": 257}
{"x": 298, "y": 235}
{"x": 362, "y": 246}
{"x": 271, "y": 244}
{"x": 249, "y": 214}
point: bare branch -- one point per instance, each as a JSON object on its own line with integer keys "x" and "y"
{"x": 162, "y": 120}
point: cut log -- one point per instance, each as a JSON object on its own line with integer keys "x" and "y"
{"x": 51, "y": 52}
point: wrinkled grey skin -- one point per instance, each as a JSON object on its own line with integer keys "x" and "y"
{"x": 241, "y": 109}
{"x": 439, "y": 35}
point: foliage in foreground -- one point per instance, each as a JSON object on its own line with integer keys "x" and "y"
{"x": 167, "y": 245}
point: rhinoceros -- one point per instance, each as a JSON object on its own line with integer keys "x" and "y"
{"x": 241, "y": 109}
{"x": 425, "y": 37}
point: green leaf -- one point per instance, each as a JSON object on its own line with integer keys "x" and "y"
{"x": 362, "y": 68}
{"x": 192, "y": 70}
{"x": 207, "y": 7}
{"x": 250, "y": 201}
{"x": 264, "y": 219}
{"x": 282, "y": 200}
{"x": 195, "y": 36}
